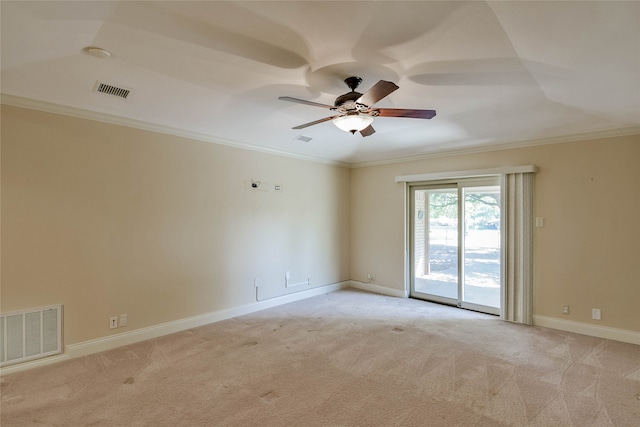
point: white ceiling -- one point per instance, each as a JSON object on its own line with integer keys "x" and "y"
{"x": 495, "y": 72}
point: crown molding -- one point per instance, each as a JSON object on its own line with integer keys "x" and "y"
{"x": 32, "y": 104}
{"x": 609, "y": 133}
{"x": 48, "y": 107}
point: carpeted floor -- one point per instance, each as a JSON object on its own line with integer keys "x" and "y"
{"x": 348, "y": 358}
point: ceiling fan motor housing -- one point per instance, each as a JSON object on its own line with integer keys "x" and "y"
{"x": 347, "y": 98}
{"x": 347, "y": 102}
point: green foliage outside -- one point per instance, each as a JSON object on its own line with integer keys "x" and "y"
{"x": 482, "y": 209}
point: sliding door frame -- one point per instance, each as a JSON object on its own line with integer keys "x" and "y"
{"x": 459, "y": 184}
{"x": 517, "y": 188}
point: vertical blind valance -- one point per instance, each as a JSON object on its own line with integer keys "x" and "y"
{"x": 467, "y": 173}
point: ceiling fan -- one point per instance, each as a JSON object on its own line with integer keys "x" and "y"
{"x": 355, "y": 111}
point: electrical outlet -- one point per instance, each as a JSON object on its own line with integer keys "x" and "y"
{"x": 371, "y": 277}
{"x": 565, "y": 309}
{"x": 113, "y": 322}
{"x": 596, "y": 314}
{"x": 123, "y": 320}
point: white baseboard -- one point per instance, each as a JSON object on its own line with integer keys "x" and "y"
{"x": 378, "y": 289}
{"x": 113, "y": 341}
{"x": 131, "y": 337}
{"x": 615, "y": 334}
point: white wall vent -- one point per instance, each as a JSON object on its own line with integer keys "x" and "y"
{"x": 30, "y": 334}
{"x": 302, "y": 138}
{"x": 120, "y": 92}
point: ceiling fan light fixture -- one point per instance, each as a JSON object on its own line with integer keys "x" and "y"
{"x": 353, "y": 122}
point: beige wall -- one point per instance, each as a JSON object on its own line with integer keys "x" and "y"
{"x": 108, "y": 220}
{"x": 587, "y": 255}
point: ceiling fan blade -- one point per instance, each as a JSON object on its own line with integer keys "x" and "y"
{"x": 369, "y": 130}
{"x": 302, "y": 101}
{"x": 377, "y": 92}
{"x": 401, "y": 112}
{"x": 326, "y": 119}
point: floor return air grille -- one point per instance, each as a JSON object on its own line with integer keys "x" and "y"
{"x": 30, "y": 334}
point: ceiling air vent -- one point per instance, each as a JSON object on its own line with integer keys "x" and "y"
{"x": 303, "y": 138}
{"x": 120, "y": 92}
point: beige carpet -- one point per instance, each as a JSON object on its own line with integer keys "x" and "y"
{"x": 348, "y": 358}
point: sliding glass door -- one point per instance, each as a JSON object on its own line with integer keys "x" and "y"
{"x": 455, "y": 243}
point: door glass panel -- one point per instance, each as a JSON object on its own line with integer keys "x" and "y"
{"x": 455, "y": 243}
{"x": 435, "y": 243}
{"x": 481, "y": 284}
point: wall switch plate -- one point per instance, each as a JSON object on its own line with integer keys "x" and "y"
{"x": 123, "y": 320}
{"x": 113, "y": 322}
{"x": 596, "y": 314}
{"x": 539, "y": 221}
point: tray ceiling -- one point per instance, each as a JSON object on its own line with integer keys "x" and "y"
{"x": 497, "y": 73}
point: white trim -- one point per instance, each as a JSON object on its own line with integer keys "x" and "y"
{"x": 33, "y": 364}
{"x": 32, "y": 104}
{"x": 107, "y": 343}
{"x": 606, "y": 133}
{"x": 47, "y": 107}
{"x": 377, "y": 289}
{"x": 606, "y": 332}
{"x": 466, "y": 174}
